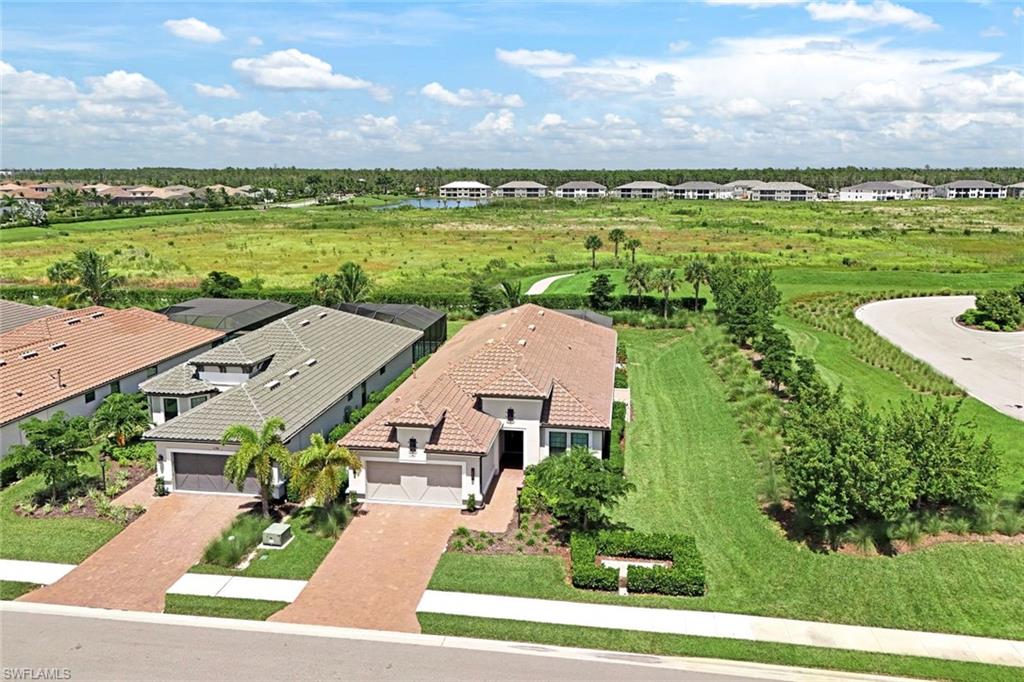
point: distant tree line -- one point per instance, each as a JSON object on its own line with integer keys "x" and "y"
{"x": 293, "y": 181}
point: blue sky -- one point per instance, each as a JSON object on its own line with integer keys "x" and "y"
{"x": 734, "y": 83}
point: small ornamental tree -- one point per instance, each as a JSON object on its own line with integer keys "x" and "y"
{"x": 1003, "y": 308}
{"x": 592, "y": 244}
{"x": 579, "y": 488}
{"x": 54, "y": 449}
{"x": 482, "y": 298}
{"x": 219, "y": 284}
{"x": 120, "y": 418}
{"x": 777, "y": 355}
{"x": 599, "y": 293}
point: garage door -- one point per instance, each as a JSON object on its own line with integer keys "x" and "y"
{"x": 205, "y": 473}
{"x": 436, "y": 484}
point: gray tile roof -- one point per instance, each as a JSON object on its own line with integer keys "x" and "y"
{"x": 876, "y": 185}
{"x": 970, "y": 184}
{"x": 786, "y": 186}
{"x": 178, "y": 380}
{"x": 522, "y": 184}
{"x": 643, "y": 184}
{"x": 744, "y": 184}
{"x": 331, "y": 355}
{"x": 911, "y": 184}
{"x": 698, "y": 184}
{"x": 13, "y": 315}
{"x": 581, "y": 184}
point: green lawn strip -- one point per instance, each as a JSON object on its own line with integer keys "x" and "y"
{"x": 693, "y": 475}
{"x": 222, "y": 607}
{"x": 881, "y": 388}
{"x": 11, "y": 590}
{"x": 67, "y": 540}
{"x": 709, "y": 647}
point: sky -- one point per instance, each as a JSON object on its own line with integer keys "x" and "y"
{"x": 712, "y": 83}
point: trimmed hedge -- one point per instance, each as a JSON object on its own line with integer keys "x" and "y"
{"x": 616, "y": 453}
{"x": 685, "y": 577}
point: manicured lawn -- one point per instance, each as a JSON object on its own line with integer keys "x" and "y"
{"x": 220, "y": 607}
{"x": 67, "y": 540}
{"x": 693, "y": 475}
{"x": 298, "y": 561}
{"x": 708, "y": 647}
{"x": 11, "y": 590}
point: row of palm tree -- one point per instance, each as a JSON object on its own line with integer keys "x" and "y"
{"x": 318, "y": 471}
{"x": 616, "y": 236}
{"x": 643, "y": 277}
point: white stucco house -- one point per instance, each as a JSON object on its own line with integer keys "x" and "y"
{"x": 874, "y": 191}
{"x": 465, "y": 189}
{"x": 581, "y": 189}
{"x": 507, "y": 391}
{"x": 697, "y": 189}
{"x": 310, "y": 369}
{"x": 521, "y": 189}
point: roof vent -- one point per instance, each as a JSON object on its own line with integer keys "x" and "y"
{"x": 303, "y": 323}
{"x": 532, "y": 327}
{"x": 19, "y": 392}
{"x": 490, "y": 340}
{"x": 310, "y": 362}
{"x": 540, "y": 313}
{"x": 96, "y": 316}
{"x": 3, "y": 363}
{"x": 74, "y": 320}
{"x": 272, "y": 384}
{"x": 29, "y": 354}
{"x": 291, "y": 373}
{"x": 58, "y": 345}
{"x": 522, "y": 342}
{"x": 322, "y": 315}
{"x": 503, "y": 325}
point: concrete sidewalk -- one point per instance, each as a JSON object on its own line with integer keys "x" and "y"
{"x": 729, "y": 626}
{"x": 35, "y": 572}
{"x": 541, "y": 285}
{"x": 238, "y": 587}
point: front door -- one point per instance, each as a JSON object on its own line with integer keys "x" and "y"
{"x": 511, "y": 449}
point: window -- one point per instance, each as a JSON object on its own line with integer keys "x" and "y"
{"x": 382, "y": 370}
{"x": 115, "y": 387}
{"x": 90, "y": 396}
{"x": 510, "y": 415}
{"x": 556, "y": 442}
{"x": 581, "y": 440}
{"x": 170, "y": 408}
{"x": 412, "y": 445}
{"x": 349, "y": 397}
{"x": 151, "y": 371}
{"x": 196, "y": 401}
{"x": 222, "y": 369}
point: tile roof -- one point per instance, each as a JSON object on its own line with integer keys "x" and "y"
{"x": 969, "y": 184}
{"x": 522, "y": 184}
{"x": 582, "y": 184}
{"x": 643, "y": 184}
{"x": 317, "y": 356}
{"x": 179, "y": 380}
{"x": 911, "y": 184}
{"x": 86, "y": 349}
{"x": 13, "y": 315}
{"x": 698, "y": 184}
{"x": 875, "y": 185}
{"x": 527, "y": 352}
{"x": 465, "y": 184}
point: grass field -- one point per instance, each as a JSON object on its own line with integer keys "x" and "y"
{"x": 709, "y": 647}
{"x": 442, "y": 249}
{"x": 693, "y": 476}
{"x": 222, "y": 607}
{"x": 11, "y": 590}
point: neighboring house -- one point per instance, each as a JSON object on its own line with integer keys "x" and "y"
{"x": 641, "y": 189}
{"x": 700, "y": 190}
{"x": 741, "y": 189}
{"x": 465, "y": 189}
{"x": 873, "y": 191}
{"x": 311, "y": 369}
{"x": 23, "y": 193}
{"x": 234, "y": 316}
{"x": 14, "y": 315}
{"x": 72, "y": 360}
{"x": 433, "y": 323}
{"x": 521, "y": 189}
{"x": 507, "y": 391}
{"x": 581, "y": 189}
{"x": 1015, "y": 191}
{"x": 782, "y": 191}
{"x": 918, "y": 190}
{"x": 970, "y": 189}
{"x": 51, "y": 187}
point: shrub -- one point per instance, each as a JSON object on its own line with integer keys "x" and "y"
{"x": 236, "y": 541}
{"x": 684, "y": 578}
{"x": 586, "y": 574}
{"x": 136, "y": 453}
{"x": 471, "y": 503}
{"x": 1010, "y": 522}
{"x": 616, "y": 450}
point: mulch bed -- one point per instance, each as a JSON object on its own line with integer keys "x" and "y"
{"x": 534, "y": 535}
{"x": 83, "y": 506}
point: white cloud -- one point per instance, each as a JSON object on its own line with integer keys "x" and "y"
{"x": 294, "y": 70}
{"x": 465, "y": 97}
{"x": 1018, "y": 12}
{"x": 550, "y": 121}
{"x": 754, "y": 4}
{"x": 992, "y": 32}
{"x": 254, "y": 41}
{"x": 879, "y": 12}
{"x": 248, "y": 124}
{"x": 744, "y": 107}
{"x": 677, "y": 46}
{"x": 195, "y": 30}
{"x": 498, "y": 123}
{"x": 531, "y": 58}
{"x": 121, "y": 85}
{"x": 884, "y": 96}
{"x": 219, "y": 92}
{"x": 31, "y": 85}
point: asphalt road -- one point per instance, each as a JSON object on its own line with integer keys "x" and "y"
{"x": 101, "y": 649}
{"x": 988, "y": 365}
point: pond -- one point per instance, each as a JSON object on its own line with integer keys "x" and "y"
{"x": 432, "y": 203}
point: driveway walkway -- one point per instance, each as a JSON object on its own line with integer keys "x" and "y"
{"x": 375, "y": 574}
{"x": 541, "y": 285}
{"x": 988, "y": 365}
{"x": 135, "y": 569}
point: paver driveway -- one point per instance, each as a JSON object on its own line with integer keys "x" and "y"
{"x": 377, "y": 572}
{"x": 134, "y": 570}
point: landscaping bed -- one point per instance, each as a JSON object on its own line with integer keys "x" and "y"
{"x": 86, "y": 501}
{"x": 683, "y": 577}
{"x": 527, "y": 534}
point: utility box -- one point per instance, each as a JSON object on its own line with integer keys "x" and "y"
{"x": 277, "y": 535}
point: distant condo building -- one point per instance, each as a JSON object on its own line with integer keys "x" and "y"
{"x": 970, "y": 189}
{"x": 782, "y": 191}
{"x": 1015, "y": 191}
{"x": 521, "y": 189}
{"x": 918, "y": 190}
{"x": 700, "y": 190}
{"x": 465, "y": 189}
{"x": 873, "y": 191}
{"x": 581, "y": 189}
{"x": 641, "y": 189}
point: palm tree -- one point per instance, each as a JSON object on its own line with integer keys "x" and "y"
{"x": 120, "y": 418}
{"x": 593, "y": 243}
{"x": 94, "y": 280}
{"x": 616, "y": 236}
{"x": 257, "y": 452}
{"x": 513, "y": 293}
{"x": 320, "y": 470}
{"x": 696, "y": 273}
{"x": 632, "y": 244}
{"x": 72, "y": 199}
{"x": 638, "y": 278}
{"x": 666, "y": 282}
{"x": 351, "y": 283}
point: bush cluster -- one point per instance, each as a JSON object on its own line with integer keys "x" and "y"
{"x": 998, "y": 310}
{"x": 616, "y": 451}
{"x": 586, "y": 574}
{"x": 684, "y": 578}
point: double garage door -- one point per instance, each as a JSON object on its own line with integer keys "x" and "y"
{"x": 435, "y": 484}
{"x": 203, "y": 473}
